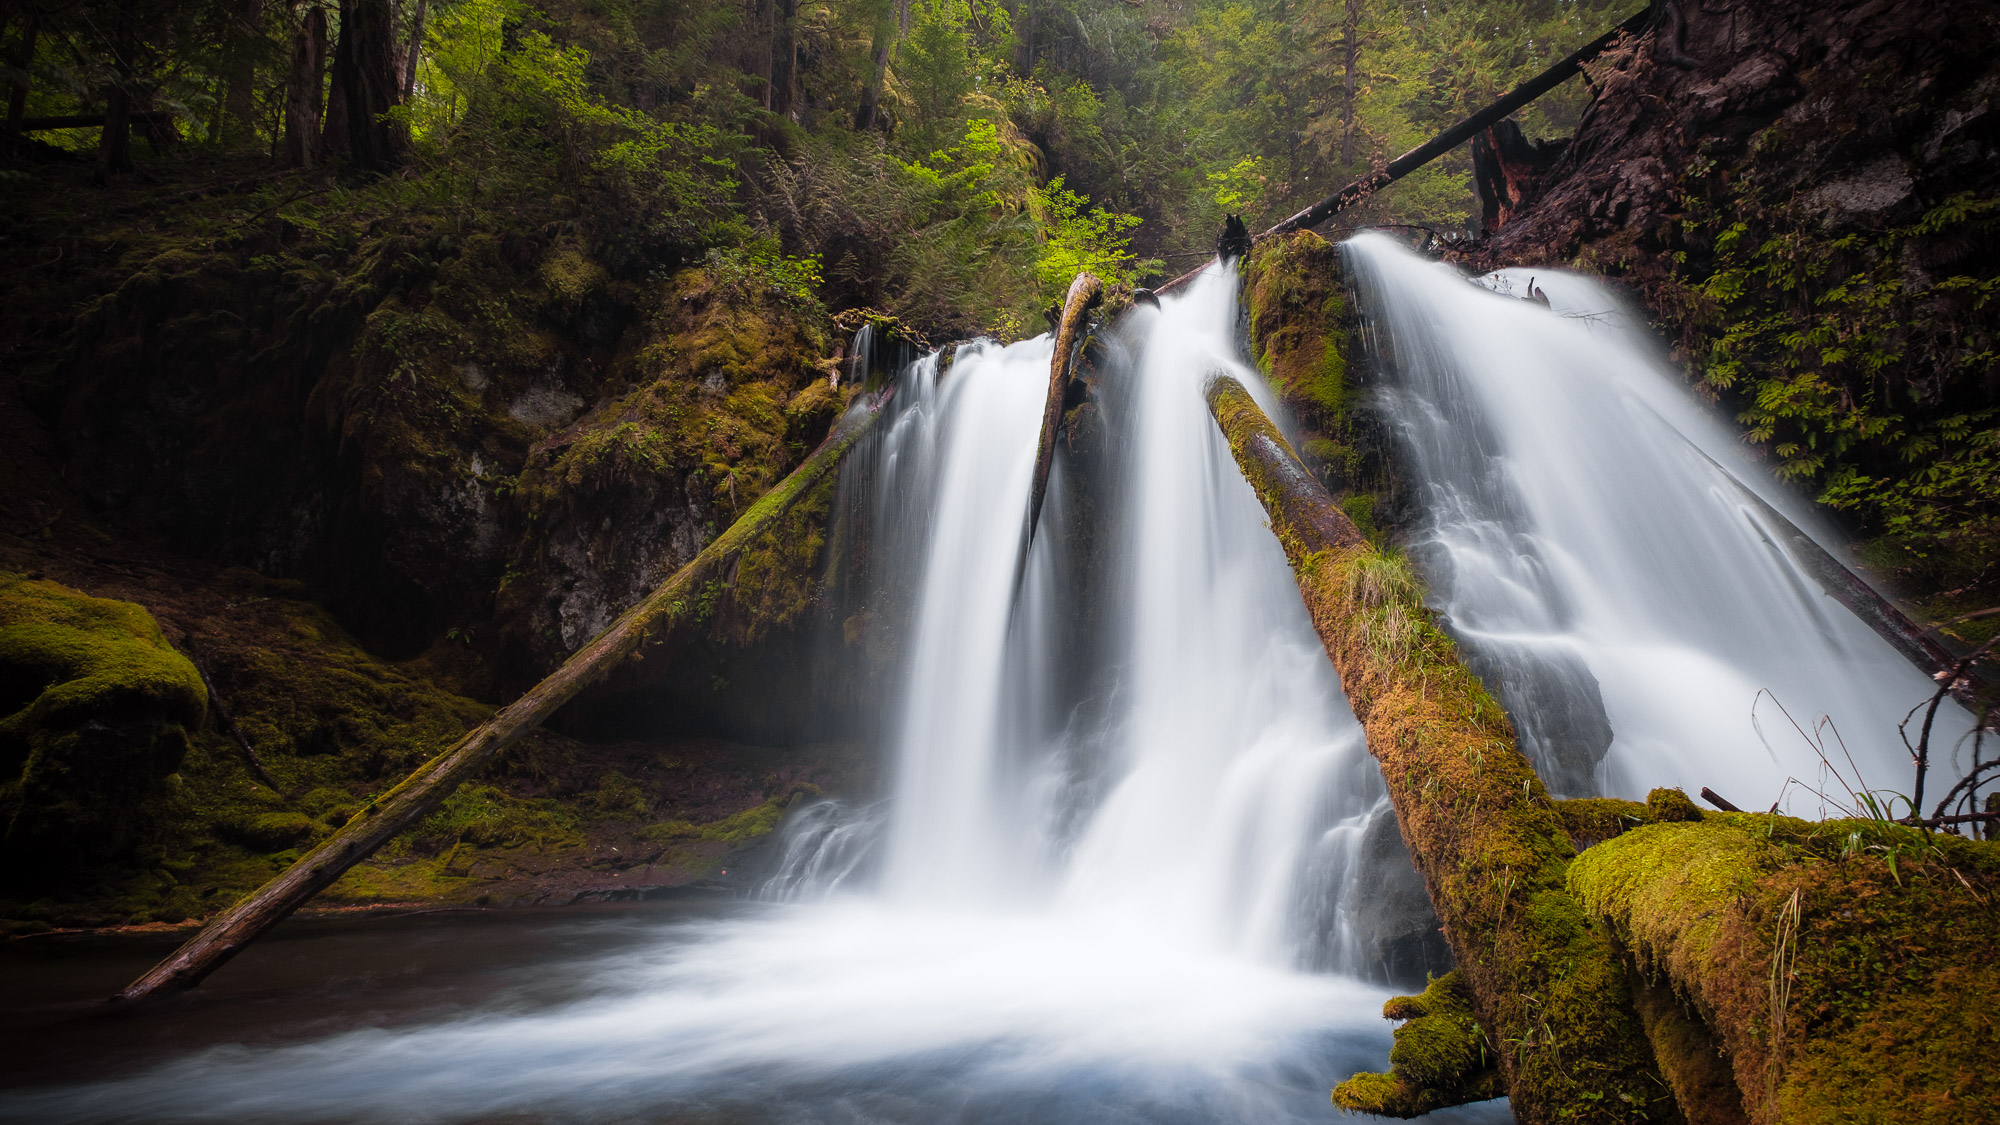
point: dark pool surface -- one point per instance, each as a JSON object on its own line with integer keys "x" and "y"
{"x": 701, "y": 1011}
{"x": 307, "y": 979}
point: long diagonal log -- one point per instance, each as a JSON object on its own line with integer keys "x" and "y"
{"x": 1916, "y": 644}
{"x": 420, "y": 794}
{"x": 1548, "y": 987}
{"x": 1444, "y": 142}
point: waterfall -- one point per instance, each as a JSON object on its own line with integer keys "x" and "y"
{"x": 1586, "y": 532}
{"x": 1132, "y": 863}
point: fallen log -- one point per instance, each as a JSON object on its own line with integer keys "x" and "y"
{"x": 1442, "y": 143}
{"x": 419, "y": 795}
{"x": 1914, "y": 642}
{"x": 1084, "y": 294}
{"x": 1549, "y": 989}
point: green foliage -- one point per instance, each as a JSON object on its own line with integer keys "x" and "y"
{"x": 1851, "y": 360}
{"x": 1079, "y": 238}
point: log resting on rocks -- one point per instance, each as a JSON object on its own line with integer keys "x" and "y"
{"x": 1084, "y": 295}
{"x": 1549, "y": 988}
{"x": 422, "y": 792}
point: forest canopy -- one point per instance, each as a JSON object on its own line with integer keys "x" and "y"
{"x": 950, "y": 163}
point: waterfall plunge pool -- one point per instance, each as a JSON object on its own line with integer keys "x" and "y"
{"x": 848, "y": 1010}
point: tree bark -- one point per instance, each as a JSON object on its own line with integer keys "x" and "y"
{"x": 892, "y": 19}
{"x": 1548, "y": 988}
{"x": 333, "y": 137}
{"x": 784, "y": 57}
{"x": 303, "y": 90}
{"x": 23, "y": 62}
{"x": 229, "y": 932}
{"x": 239, "y": 96}
{"x": 365, "y": 71}
{"x": 114, "y": 144}
{"x": 415, "y": 51}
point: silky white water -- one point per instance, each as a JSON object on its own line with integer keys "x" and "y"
{"x": 1586, "y": 533}
{"x": 1144, "y": 901}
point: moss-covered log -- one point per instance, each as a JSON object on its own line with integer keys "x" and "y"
{"x": 1547, "y": 985}
{"x": 423, "y": 791}
{"x": 1845, "y": 967}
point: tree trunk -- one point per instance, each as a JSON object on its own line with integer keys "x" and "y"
{"x": 23, "y": 62}
{"x": 1351, "y": 55}
{"x": 415, "y": 51}
{"x": 333, "y": 142}
{"x": 1548, "y": 988}
{"x": 114, "y": 144}
{"x": 420, "y": 794}
{"x": 784, "y": 57}
{"x": 303, "y": 90}
{"x": 365, "y": 72}
{"x": 871, "y": 94}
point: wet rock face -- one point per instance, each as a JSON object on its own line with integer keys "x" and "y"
{"x": 447, "y": 442}
{"x": 1871, "y": 110}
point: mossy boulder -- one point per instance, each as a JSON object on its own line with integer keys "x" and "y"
{"x": 1441, "y": 1057}
{"x": 99, "y": 709}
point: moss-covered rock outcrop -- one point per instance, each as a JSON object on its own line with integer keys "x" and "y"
{"x": 1441, "y": 1057}
{"x": 1845, "y": 967}
{"x": 99, "y": 710}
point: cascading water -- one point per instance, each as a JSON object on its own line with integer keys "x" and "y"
{"x": 1586, "y": 531}
{"x": 1136, "y": 895}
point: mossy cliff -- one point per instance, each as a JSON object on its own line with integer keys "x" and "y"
{"x": 1844, "y": 968}
{"x": 1548, "y": 986}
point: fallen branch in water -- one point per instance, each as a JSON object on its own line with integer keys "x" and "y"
{"x": 422, "y": 792}
{"x": 1084, "y": 294}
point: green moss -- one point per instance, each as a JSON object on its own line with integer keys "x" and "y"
{"x": 1441, "y": 1057}
{"x": 751, "y": 823}
{"x": 1591, "y": 820}
{"x": 100, "y": 713}
{"x": 616, "y": 795}
{"x": 1297, "y": 331}
{"x": 1839, "y": 963}
{"x": 1666, "y": 806}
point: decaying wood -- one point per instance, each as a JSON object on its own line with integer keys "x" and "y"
{"x": 1549, "y": 990}
{"x": 1444, "y": 142}
{"x": 1084, "y": 294}
{"x": 408, "y": 803}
